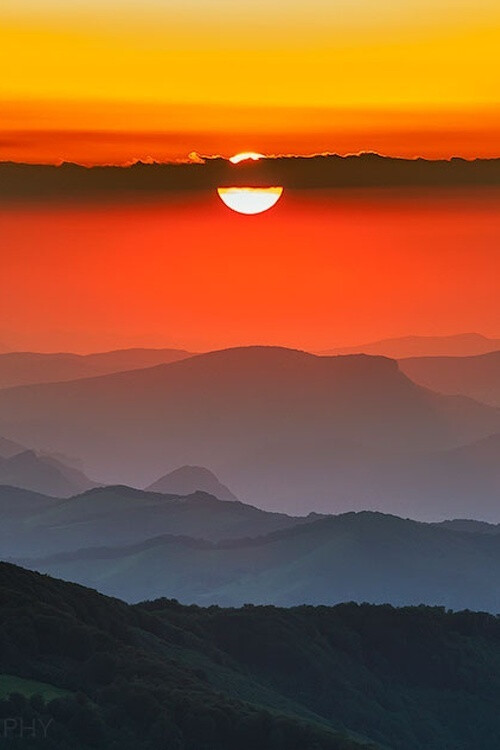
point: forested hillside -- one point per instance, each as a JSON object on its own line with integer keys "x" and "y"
{"x": 101, "y": 674}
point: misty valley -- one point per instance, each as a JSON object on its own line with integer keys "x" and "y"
{"x": 253, "y": 546}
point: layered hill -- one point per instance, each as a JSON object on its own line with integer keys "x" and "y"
{"x": 286, "y": 429}
{"x": 459, "y": 345}
{"x": 21, "y": 368}
{"x": 476, "y": 377}
{"x": 363, "y": 557}
{"x": 9, "y": 448}
{"x": 44, "y": 474}
{"x": 188, "y": 479}
{"x": 17, "y": 506}
{"x": 163, "y": 675}
{"x": 470, "y": 525}
{"x": 34, "y": 524}
{"x": 459, "y": 482}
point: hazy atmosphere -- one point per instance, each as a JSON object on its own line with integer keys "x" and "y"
{"x": 249, "y": 375}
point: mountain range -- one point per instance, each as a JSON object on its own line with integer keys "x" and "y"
{"x": 188, "y": 479}
{"x": 9, "y": 448}
{"x": 34, "y": 524}
{"x": 42, "y": 473}
{"x": 136, "y": 544}
{"x": 288, "y": 430}
{"x": 24, "y": 368}
{"x": 97, "y": 673}
{"x": 458, "y": 345}
{"x": 363, "y": 557}
{"x": 477, "y": 377}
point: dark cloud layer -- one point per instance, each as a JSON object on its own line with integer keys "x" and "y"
{"x": 24, "y": 181}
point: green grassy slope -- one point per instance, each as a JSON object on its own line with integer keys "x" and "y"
{"x": 12, "y": 684}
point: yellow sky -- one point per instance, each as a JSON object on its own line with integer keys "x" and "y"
{"x": 184, "y": 58}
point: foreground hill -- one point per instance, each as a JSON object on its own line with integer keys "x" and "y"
{"x": 127, "y": 678}
{"x": 163, "y": 675}
{"x": 43, "y": 474}
{"x": 286, "y": 429}
{"x": 460, "y": 345}
{"x": 23, "y": 368}
{"x": 32, "y": 524}
{"x": 477, "y": 377}
{"x": 363, "y": 557}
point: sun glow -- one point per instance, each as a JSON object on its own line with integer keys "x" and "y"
{"x": 246, "y": 156}
{"x": 250, "y": 200}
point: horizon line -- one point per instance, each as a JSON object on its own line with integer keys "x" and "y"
{"x": 326, "y": 170}
{"x": 293, "y": 347}
{"x": 195, "y": 158}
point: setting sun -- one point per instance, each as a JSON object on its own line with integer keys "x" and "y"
{"x": 246, "y": 156}
{"x": 250, "y": 200}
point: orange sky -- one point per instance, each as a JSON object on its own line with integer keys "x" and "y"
{"x": 320, "y": 269}
{"x": 112, "y": 81}
{"x": 115, "y": 80}
{"x": 431, "y": 134}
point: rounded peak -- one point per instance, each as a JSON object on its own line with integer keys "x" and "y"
{"x": 260, "y": 355}
{"x": 192, "y": 471}
{"x": 191, "y": 480}
{"x": 256, "y": 352}
{"x": 112, "y": 489}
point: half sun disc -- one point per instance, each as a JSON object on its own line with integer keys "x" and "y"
{"x": 250, "y": 200}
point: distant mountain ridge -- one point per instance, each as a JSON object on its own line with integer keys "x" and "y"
{"x": 363, "y": 557}
{"x": 457, "y": 345}
{"x": 17, "y": 506}
{"x": 9, "y": 448}
{"x": 471, "y": 526}
{"x": 286, "y": 429}
{"x": 477, "y": 377}
{"x": 188, "y": 479}
{"x": 136, "y": 544}
{"x": 27, "y": 368}
{"x": 44, "y": 474}
{"x": 121, "y": 515}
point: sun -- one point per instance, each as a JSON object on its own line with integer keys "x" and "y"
{"x": 249, "y": 200}
{"x": 245, "y": 156}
